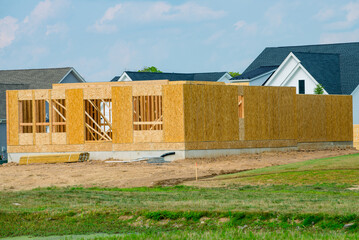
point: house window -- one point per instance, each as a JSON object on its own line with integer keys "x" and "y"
{"x": 147, "y": 113}
{"x": 240, "y": 107}
{"x": 301, "y": 87}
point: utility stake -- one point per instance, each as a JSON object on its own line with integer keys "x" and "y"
{"x": 196, "y": 173}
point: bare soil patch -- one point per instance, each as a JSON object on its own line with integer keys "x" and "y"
{"x": 98, "y": 173}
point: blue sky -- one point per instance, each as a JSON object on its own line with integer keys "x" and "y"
{"x": 101, "y": 39}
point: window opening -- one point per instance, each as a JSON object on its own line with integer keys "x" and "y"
{"x": 58, "y": 115}
{"x": 98, "y": 119}
{"x": 25, "y": 116}
{"x": 147, "y": 113}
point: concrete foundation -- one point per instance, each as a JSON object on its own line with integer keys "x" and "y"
{"x": 182, "y": 154}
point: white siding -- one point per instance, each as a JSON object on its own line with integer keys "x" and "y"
{"x": 300, "y": 74}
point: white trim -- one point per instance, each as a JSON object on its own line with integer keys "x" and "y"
{"x": 300, "y": 66}
{"x": 77, "y": 75}
{"x": 124, "y": 74}
{"x": 356, "y": 89}
{"x": 281, "y": 66}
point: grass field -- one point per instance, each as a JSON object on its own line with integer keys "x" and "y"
{"x": 339, "y": 170}
{"x": 320, "y": 208}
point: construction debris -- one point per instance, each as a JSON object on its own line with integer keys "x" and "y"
{"x": 55, "y": 158}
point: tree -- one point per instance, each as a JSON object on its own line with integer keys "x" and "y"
{"x": 319, "y": 89}
{"x": 150, "y": 69}
{"x": 234, "y": 74}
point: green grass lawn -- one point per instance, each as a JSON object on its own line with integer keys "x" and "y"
{"x": 341, "y": 169}
{"x": 310, "y": 205}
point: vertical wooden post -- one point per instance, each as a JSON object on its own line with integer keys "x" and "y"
{"x": 33, "y": 117}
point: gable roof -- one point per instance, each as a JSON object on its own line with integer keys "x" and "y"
{"x": 324, "y": 67}
{"x": 141, "y": 76}
{"x": 348, "y": 55}
{"x": 255, "y": 72}
{"x": 30, "y": 79}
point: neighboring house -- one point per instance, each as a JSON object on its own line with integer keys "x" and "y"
{"x": 141, "y": 76}
{"x": 30, "y": 79}
{"x": 334, "y": 66}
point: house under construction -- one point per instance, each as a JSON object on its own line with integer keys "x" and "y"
{"x": 127, "y": 120}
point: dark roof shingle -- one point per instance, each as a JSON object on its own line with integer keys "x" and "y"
{"x": 348, "y": 60}
{"x": 141, "y": 76}
{"x": 28, "y": 79}
{"x": 255, "y": 72}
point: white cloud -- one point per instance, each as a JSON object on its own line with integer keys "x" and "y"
{"x": 8, "y": 28}
{"x": 240, "y": 24}
{"x": 274, "y": 15}
{"x": 146, "y": 12}
{"x": 57, "y": 28}
{"x": 247, "y": 28}
{"x": 324, "y": 14}
{"x": 351, "y": 17}
{"x": 351, "y": 36}
{"x": 43, "y": 11}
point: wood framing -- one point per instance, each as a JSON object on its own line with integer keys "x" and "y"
{"x": 163, "y": 115}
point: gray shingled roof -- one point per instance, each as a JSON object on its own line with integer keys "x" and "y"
{"x": 256, "y": 72}
{"x": 348, "y": 60}
{"x": 141, "y": 76}
{"x": 28, "y": 79}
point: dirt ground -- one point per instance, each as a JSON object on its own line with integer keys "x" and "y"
{"x": 14, "y": 177}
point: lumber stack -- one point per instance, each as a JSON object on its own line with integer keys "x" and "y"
{"x": 55, "y": 158}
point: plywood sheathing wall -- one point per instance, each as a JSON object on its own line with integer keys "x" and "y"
{"x": 269, "y": 113}
{"x": 12, "y": 117}
{"x": 75, "y": 120}
{"x": 122, "y": 118}
{"x": 324, "y": 118}
{"x": 210, "y": 113}
{"x": 173, "y": 113}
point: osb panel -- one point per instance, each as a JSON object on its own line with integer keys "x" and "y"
{"x": 339, "y": 114}
{"x": 42, "y": 138}
{"x": 95, "y": 147}
{"x": 41, "y": 94}
{"x": 140, "y": 90}
{"x": 75, "y": 116}
{"x": 195, "y": 83}
{"x": 25, "y": 95}
{"x": 173, "y": 115}
{"x": 269, "y": 113}
{"x": 26, "y": 139}
{"x": 12, "y": 117}
{"x": 97, "y": 93}
{"x": 240, "y": 144}
{"x": 107, "y": 84}
{"x": 148, "y": 136}
{"x": 122, "y": 118}
{"x": 211, "y": 113}
{"x": 311, "y": 118}
{"x": 241, "y": 129}
{"x": 58, "y": 138}
{"x": 58, "y": 93}
{"x": 51, "y": 158}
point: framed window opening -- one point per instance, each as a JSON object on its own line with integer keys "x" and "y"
{"x": 147, "y": 113}
{"x": 98, "y": 119}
